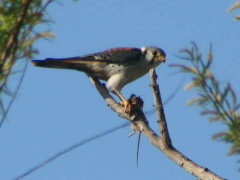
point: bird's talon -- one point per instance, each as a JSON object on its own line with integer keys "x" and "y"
{"x": 126, "y": 106}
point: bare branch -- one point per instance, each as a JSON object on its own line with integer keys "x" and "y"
{"x": 109, "y": 99}
{"x": 162, "y": 143}
{"x": 138, "y": 119}
{"x": 162, "y": 123}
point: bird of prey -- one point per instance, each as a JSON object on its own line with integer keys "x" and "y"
{"x": 117, "y": 66}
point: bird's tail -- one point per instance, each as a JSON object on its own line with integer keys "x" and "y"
{"x": 57, "y": 63}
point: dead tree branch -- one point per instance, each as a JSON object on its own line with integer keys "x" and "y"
{"x": 162, "y": 123}
{"x": 163, "y": 142}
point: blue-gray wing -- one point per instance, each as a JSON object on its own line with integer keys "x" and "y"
{"x": 115, "y": 55}
{"x": 119, "y": 55}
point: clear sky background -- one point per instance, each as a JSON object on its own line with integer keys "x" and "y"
{"x": 57, "y": 108}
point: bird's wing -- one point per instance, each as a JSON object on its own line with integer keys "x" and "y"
{"x": 119, "y": 55}
{"x": 115, "y": 55}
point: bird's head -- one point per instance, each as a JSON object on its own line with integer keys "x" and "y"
{"x": 153, "y": 55}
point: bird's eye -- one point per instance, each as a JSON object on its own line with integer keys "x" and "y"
{"x": 154, "y": 53}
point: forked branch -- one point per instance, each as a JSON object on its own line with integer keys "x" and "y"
{"x": 163, "y": 142}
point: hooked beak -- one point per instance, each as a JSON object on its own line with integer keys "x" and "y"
{"x": 161, "y": 59}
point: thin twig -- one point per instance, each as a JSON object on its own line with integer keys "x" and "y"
{"x": 11, "y": 48}
{"x": 14, "y": 94}
{"x": 67, "y": 150}
{"x": 168, "y": 99}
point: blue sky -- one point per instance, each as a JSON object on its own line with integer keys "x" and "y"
{"x": 57, "y": 108}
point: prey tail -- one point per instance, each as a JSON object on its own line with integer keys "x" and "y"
{"x": 138, "y": 145}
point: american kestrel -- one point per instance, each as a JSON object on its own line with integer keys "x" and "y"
{"x": 117, "y": 66}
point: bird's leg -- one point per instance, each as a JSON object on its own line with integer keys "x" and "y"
{"x": 125, "y": 103}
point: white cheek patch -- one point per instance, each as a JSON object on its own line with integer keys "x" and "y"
{"x": 143, "y": 49}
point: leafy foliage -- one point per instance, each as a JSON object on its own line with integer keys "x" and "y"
{"x": 233, "y": 7}
{"x": 18, "y": 18}
{"x": 218, "y": 101}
